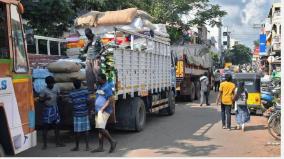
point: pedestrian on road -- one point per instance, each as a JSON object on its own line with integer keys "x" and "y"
{"x": 92, "y": 48}
{"x": 79, "y": 98}
{"x": 217, "y": 79}
{"x": 204, "y": 91}
{"x": 103, "y": 109}
{"x": 50, "y": 116}
{"x": 242, "y": 111}
{"x": 226, "y": 94}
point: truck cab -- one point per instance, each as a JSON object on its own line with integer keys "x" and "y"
{"x": 17, "y": 115}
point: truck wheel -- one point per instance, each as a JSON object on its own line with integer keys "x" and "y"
{"x": 139, "y": 111}
{"x": 192, "y": 92}
{"x": 172, "y": 104}
{"x": 2, "y": 152}
{"x": 197, "y": 90}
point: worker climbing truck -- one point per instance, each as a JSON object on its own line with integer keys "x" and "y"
{"x": 17, "y": 131}
{"x": 192, "y": 62}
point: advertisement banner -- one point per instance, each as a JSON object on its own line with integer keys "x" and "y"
{"x": 262, "y": 45}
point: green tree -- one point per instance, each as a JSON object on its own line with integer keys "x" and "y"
{"x": 48, "y": 17}
{"x": 52, "y": 17}
{"x": 240, "y": 54}
{"x": 215, "y": 58}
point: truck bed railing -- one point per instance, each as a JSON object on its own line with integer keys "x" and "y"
{"x": 140, "y": 35}
{"x": 48, "y": 40}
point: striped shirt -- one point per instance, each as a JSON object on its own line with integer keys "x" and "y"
{"x": 79, "y": 100}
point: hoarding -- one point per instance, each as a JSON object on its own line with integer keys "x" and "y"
{"x": 262, "y": 45}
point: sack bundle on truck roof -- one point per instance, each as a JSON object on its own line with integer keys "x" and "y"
{"x": 103, "y": 25}
{"x": 130, "y": 19}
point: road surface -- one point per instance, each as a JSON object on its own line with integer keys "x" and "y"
{"x": 191, "y": 131}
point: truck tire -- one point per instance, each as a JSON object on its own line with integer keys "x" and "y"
{"x": 197, "y": 90}
{"x": 172, "y": 104}
{"x": 139, "y": 111}
{"x": 192, "y": 92}
{"x": 2, "y": 152}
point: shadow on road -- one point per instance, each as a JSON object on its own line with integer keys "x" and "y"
{"x": 256, "y": 127}
{"x": 182, "y": 134}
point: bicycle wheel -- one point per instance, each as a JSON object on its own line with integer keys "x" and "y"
{"x": 274, "y": 126}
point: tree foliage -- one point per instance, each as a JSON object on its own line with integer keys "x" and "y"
{"x": 215, "y": 58}
{"x": 52, "y": 17}
{"x": 240, "y": 54}
{"x": 48, "y": 17}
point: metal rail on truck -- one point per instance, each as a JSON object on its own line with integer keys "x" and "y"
{"x": 48, "y": 40}
{"x": 141, "y": 35}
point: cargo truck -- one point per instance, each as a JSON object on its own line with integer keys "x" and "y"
{"x": 193, "y": 62}
{"x": 143, "y": 77}
{"x": 144, "y": 80}
{"x": 17, "y": 115}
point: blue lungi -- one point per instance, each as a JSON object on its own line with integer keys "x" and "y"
{"x": 81, "y": 124}
{"x": 50, "y": 115}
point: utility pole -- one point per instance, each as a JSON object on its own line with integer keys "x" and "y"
{"x": 228, "y": 39}
{"x": 220, "y": 38}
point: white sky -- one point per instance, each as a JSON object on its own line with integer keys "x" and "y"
{"x": 241, "y": 15}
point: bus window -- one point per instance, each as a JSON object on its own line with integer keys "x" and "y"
{"x": 20, "y": 62}
{"x": 4, "y": 47}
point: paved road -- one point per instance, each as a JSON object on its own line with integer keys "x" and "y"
{"x": 191, "y": 131}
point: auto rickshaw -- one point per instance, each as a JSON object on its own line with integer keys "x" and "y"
{"x": 252, "y": 84}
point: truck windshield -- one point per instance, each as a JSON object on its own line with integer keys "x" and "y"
{"x": 4, "y": 49}
{"x": 20, "y": 63}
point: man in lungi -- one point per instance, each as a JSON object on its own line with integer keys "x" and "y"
{"x": 50, "y": 116}
{"x": 103, "y": 109}
{"x": 92, "y": 48}
{"x": 79, "y": 98}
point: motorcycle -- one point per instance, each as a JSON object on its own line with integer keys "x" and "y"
{"x": 269, "y": 95}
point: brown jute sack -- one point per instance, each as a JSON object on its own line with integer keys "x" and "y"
{"x": 64, "y": 67}
{"x": 89, "y": 19}
{"x": 66, "y": 86}
{"x": 120, "y": 17}
{"x": 69, "y": 77}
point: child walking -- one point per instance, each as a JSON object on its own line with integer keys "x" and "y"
{"x": 242, "y": 112}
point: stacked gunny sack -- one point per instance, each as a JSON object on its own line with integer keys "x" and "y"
{"x": 65, "y": 72}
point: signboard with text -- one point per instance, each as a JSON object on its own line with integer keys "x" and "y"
{"x": 262, "y": 45}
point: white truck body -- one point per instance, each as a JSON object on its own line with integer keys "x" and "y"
{"x": 144, "y": 71}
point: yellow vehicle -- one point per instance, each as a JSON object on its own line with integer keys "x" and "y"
{"x": 252, "y": 84}
{"x": 228, "y": 65}
{"x": 17, "y": 115}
